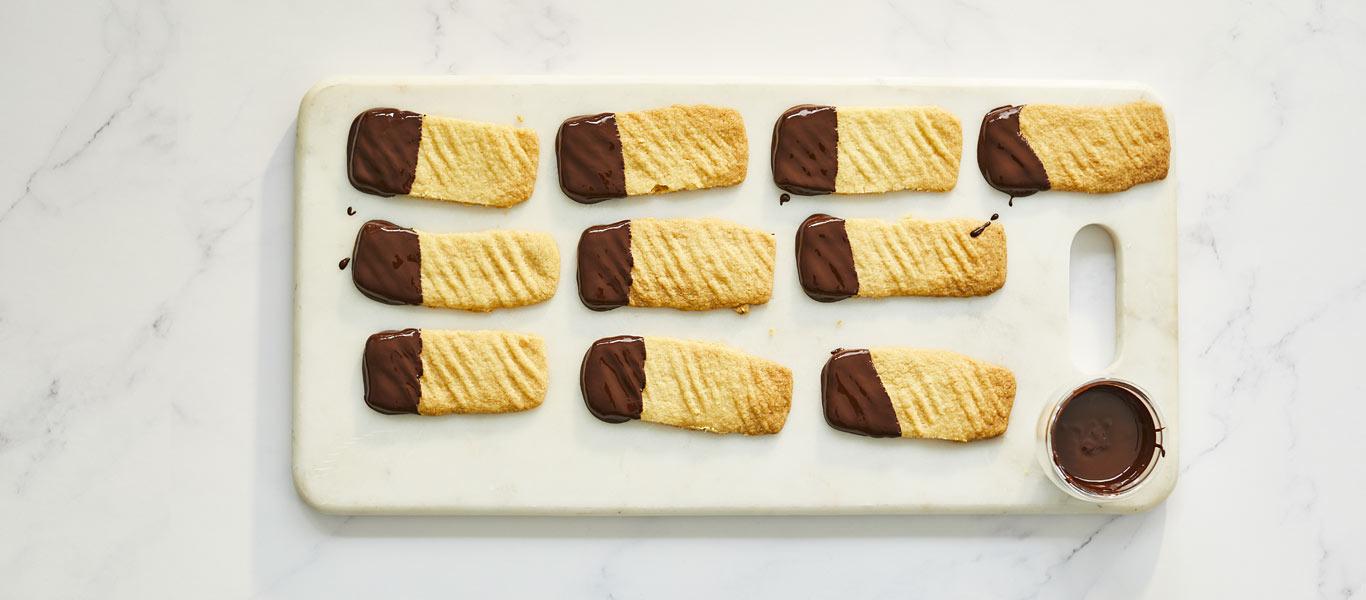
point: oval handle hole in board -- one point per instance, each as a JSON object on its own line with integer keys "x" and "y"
{"x": 1092, "y": 301}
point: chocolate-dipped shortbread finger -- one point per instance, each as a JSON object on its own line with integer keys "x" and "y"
{"x": 671, "y": 149}
{"x": 436, "y": 372}
{"x": 468, "y": 271}
{"x": 392, "y": 151}
{"x": 860, "y": 150}
{"x": 1097, "y": 149}
{"x": 688, "y": 264}
{"x": 872, "y": 258}
{"x": 905, "y": 392}
{"x": 695, "y": 385}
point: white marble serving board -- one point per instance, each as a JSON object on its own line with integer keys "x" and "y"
{"x": 558, "y": 459}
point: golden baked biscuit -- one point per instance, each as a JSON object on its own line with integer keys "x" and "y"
{"x": 1096, "y": 149}
{"x": 897, "y": 148}
{"x": 860, "y": 150}
{"x": 689, "y": 384}
{"x": 437, "y": 372}
{"x": 670, "y": 149}
{"x": 469, "y": 271}
{"x": 475, "y": 163}
{"x": 872, "y": 258}
{"x": 906, "y": 392}
{"x": 392, "y": 151}
{"x": 688, "y": 264}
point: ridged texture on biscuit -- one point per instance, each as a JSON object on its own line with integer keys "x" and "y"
{"x": 475, "y": 163}
{"x": 897, "y": 148}
{"x": 481, "y": 372}
{"x": 682, "y": 148}
{"x": 488, "y": 270}
{"x": 705, "y": 386}
{"x": 945, "y": 395}
{"x": 910, "y": 257}
{"x": 699, "y": 264}
{"x": 1098, "y": 149}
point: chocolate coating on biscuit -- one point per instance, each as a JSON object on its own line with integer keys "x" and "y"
{"x": 613, "y": 378}
{"x": 604, "y": 273}
{"x": 588, "y": 153}
{"x": 386, "y": 263}
{"x": 392, "y": 366}
{"x": 804, "y": 150}
{"x": 854, "y": 398}
{"x": 381, "y": 151}
{"x": 1007, "y": 161}
{"x": 825, "y": 261}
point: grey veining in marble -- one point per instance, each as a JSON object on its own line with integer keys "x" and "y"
{"x": 145, "y": 279}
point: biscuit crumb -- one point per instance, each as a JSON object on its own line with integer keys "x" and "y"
{"x": 839, "y": 323}
{"x": 742, "y": 309}
{"x": 770, "y": 332}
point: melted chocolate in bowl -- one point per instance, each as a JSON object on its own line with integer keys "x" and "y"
{"x": 1105, "y": 438}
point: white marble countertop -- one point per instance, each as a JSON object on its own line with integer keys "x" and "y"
{"x": 145, "y": 310}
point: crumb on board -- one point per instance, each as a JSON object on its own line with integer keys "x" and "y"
{"x": 839, "y": 323}
{"x": 742, "y": 309}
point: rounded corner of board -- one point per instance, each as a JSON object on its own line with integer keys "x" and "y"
{"x": 307, "y": 490}
{"x": 316, "y": 95}
{"x": 321, "y": 87}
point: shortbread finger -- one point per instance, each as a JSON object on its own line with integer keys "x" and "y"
{"x": 1097, "y": 149}
{"x": 905, "y": 392}
{"x": 860, "y": 150}
{"x": 688, "y": 264}
{"x": 671, "y": 149}
{"x": 467, "y": 271}
{"x": 436, "y": 372}
{"x": 695, "y": 385}
{"x": 392, "y": 151}
{"x": 872, "y": 258}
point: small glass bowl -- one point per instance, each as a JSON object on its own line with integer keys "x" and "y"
{"x": 1049, "y": 417}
